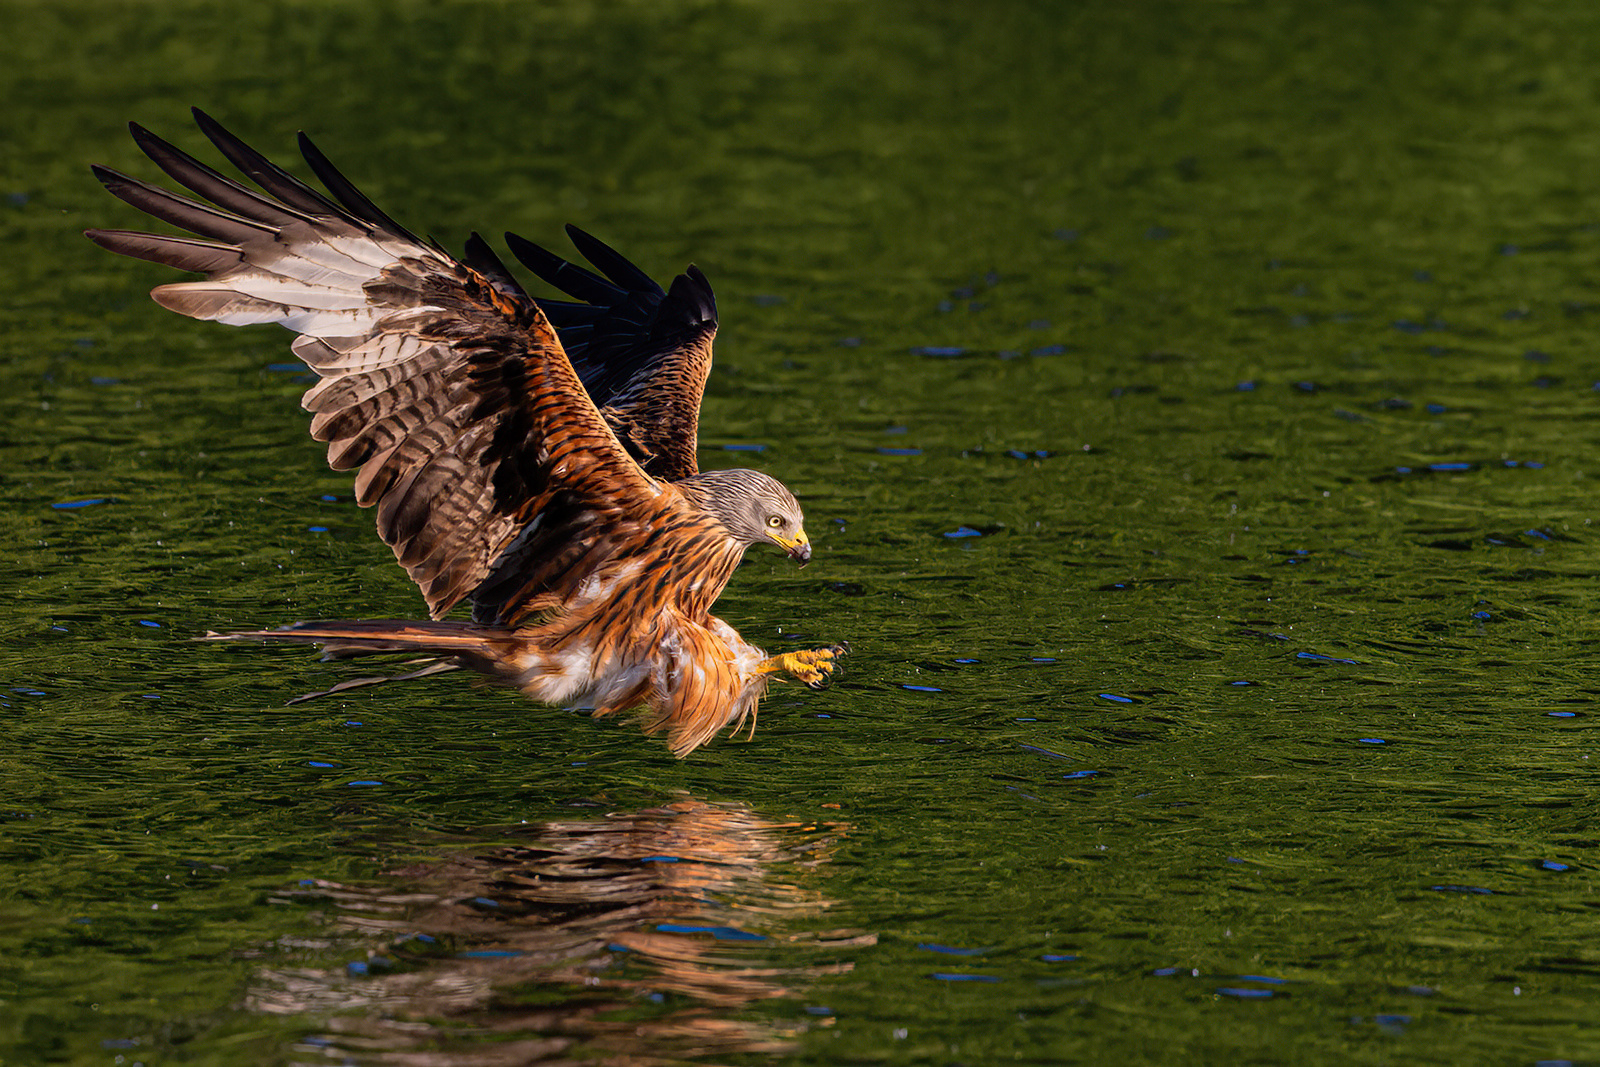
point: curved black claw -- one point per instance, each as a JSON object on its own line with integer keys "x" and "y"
{"x": 829, "y": 668}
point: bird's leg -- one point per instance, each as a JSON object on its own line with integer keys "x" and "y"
{"x": 813, "y": 666}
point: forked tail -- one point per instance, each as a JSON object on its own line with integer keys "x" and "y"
{"x": 445, "y": 646}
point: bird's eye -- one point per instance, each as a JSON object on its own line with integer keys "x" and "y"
{"x": 775, "y": 521}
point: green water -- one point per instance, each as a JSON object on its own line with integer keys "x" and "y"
{"x": 1194, "y": 409}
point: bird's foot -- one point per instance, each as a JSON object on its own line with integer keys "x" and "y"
{"x": 815, "y": 667}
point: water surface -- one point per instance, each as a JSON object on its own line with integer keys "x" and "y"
{"x": 1194, "y": 410}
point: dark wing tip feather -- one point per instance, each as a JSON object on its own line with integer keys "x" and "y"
{"x": 192, "y": 215}
{"x": 696, "y": 304}
{"x": 161, "y": 150}
{"x": 612, "y": 264}
{"x": 570, "y": 278}
{"x": 347, "y": 194}
{"x": 265, "y": 173}
{"x": 108, "y": 177}
{"x": 202, "y": 257}
{"x": 199, "y": 178}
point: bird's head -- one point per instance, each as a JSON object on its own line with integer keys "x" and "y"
{"x": 755, "y": 508}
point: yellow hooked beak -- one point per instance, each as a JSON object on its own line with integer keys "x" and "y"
{"x": 798, "y": 546}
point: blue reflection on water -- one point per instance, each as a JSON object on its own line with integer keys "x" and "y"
{"x": 721, "y": 933}
{"x": 952, "y": 950}
{"x": 1323, "y": 659}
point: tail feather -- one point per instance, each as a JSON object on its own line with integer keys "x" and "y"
{"x": 486, "y": 649}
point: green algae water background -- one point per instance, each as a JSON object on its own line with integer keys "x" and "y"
{"x": 1195, "y": 412}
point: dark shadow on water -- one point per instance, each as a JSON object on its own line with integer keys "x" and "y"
{"x": 664, "y": 935}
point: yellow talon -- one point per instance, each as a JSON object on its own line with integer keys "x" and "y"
{"x": 813, "y": 666}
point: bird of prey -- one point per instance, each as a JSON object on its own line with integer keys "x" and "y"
{"x": 533, "y": 458}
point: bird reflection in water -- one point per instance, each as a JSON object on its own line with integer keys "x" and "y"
{"x": 630, "y": 939}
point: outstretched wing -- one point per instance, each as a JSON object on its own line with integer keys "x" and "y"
{"x": 474, "y": 438}
{"x": 642, "y": 352}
